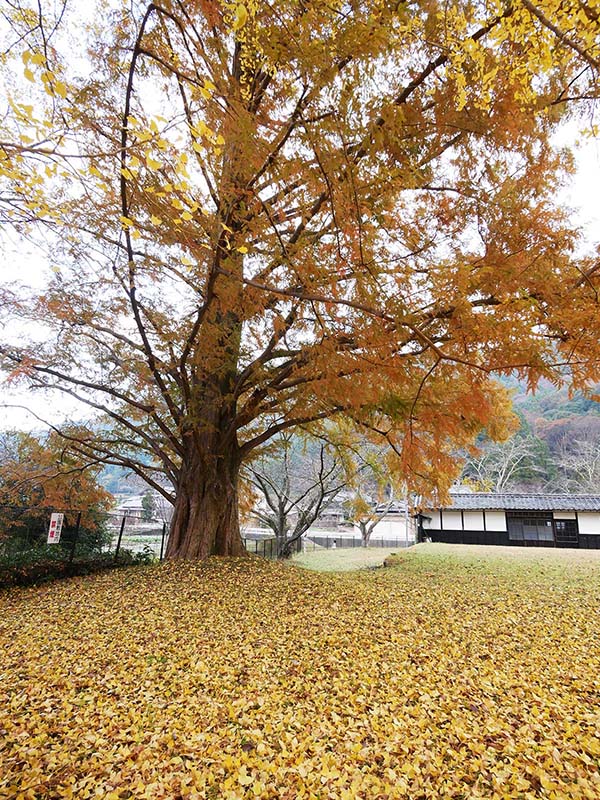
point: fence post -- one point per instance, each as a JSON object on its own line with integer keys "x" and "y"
{"x": 75, "y": 537}
{"x": 162, "y": 540}
{"x": 119, "y": 538}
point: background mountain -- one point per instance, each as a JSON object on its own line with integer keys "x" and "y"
{"x": 557, "y": 448}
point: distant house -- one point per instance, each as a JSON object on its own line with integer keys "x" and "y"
{"x": 529, "y": 520}
{"x": 132, "y": 508}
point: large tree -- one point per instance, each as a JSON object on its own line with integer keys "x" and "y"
{"x": 263, "y": 215}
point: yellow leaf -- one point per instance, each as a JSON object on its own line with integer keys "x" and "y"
{"x": 242, "y": 249}
{"x": 60, "y": 88}
{"x": 241, "y": 15}
{"x": 29, "y": 74}
{"x": 243, "y": 778}
{"x": 155, "y": 220}
{"x": 152, "y": 163}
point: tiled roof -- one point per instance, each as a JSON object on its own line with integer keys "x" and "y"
{"x": 477, "y": 501}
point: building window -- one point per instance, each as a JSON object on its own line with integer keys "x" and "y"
{"x": 529, "y": 526}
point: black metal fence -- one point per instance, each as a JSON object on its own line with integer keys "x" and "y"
{"x": 320, "y": 541}
{"x": 267, "y": 546}
{"x": 37, "y": 542}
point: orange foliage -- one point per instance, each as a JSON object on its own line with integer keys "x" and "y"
{"x": 273, "y": 214}
{"x": 43, "y": 474}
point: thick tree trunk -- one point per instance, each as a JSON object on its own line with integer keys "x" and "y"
{"x": 206, "y": 519}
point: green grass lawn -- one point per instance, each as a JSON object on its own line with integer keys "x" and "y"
{"x": 343, "y": 559}
{"x": 457, "y": 673}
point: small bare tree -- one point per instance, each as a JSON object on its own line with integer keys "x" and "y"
{"x": 372, "y": 490}
{"x": 297, "y": 484}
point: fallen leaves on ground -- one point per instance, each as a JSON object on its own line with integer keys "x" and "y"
{"x": 436, "y": 678}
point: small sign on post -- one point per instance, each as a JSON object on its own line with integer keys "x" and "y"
{"x": 56, "y": 523}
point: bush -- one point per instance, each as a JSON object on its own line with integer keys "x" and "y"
{"x": 33, "y": 568}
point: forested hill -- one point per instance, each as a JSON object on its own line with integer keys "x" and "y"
{"x": 558, "y": 419}
{"x": 557, "y": 448}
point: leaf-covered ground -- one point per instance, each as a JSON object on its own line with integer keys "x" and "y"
{"x": 453, "y": 674}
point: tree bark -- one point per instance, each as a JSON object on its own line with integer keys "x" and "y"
{"x": 364, "y": 532}
{"x": 205, "y": 518}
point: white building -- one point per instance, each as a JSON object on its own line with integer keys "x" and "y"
{"x": 532, "y": 520}
{"x": 132, "y": 508}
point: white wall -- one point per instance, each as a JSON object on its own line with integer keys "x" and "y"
{"x": 588, "y": 522}
{"x": 452, "y": 520}
{"x": 565, "y": 515}
{"x": 391, "y": 527}
{"x": 434, "y": 523}
{"x": 473, "y": 520}
{"x": 495, "y": 521}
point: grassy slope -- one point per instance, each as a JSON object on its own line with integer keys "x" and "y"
{"x": 343, "y": 559}
{"x": 455, "y": 674}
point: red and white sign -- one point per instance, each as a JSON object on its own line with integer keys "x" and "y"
{"x": 56, "y": 523}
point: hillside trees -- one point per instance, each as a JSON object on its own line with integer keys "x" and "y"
{"x": 261, "y": 216}
{"x": 522, "y": 462}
